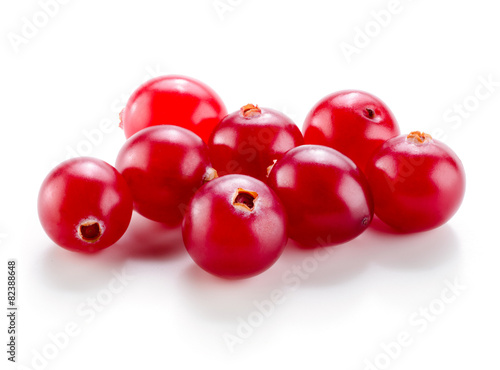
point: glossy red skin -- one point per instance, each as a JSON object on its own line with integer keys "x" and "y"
{"x": 340, "y": 121}
{"x": 229, "y": 241}
{"x": 173, "y": 100}
{"x": 248, "y": 146}
{"x": 415, "y": 187}
{"x": 326, "y": 197}
{"x": 84, "y": 189}
{"x": 163, "y": 166}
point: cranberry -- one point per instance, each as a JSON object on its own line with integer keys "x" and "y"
{"x": 173, "y": 100}
{"x": 417, "y": 182}
{"x": 353, "y": 122}
{"x": 250, "y": 140}
{"x": 164, "y": 166}
{"x": 84, "y": 205}
{"x": 235, "y": 227}
{"x": 326, "y": 197}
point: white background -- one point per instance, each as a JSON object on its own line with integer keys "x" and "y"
{"x": 74, "y": 72}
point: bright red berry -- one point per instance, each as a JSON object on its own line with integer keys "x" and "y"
{"x": 252, "y": 139}
{"x": 326, "y": 197}
{"x": 353, "y": 122}
{"x": 417, "y": 182}
{"x": 84, "y": 205}
{"x": 164, "y": 166}
{"x": 235, "y": 227}
{"x": 173, "y": 100}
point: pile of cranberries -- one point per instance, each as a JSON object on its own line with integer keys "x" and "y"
{"x": 241, "y": 184}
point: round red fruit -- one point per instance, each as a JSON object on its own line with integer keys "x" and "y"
{"x": 173, "y": 100}
{"x": 164, "y": 166}
{"x": 84, "y": 205}
{"x": 235, "y": 227}
{"x": 252, "y": 139}
{"x": 326, "y": 197}
{"x": 353, "y": 122}
{"x": 417, "y": 182}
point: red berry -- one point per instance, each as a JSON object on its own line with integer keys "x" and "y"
{"x": 250, "y": 140}
{"x": 235, "y": 227}
{"x": 164, "y": 166}
{"x": 173, "y": 100}
{"x": 326, "y": 197}
{"x": 353, "y": 122}
{"x": 84, "y": 205}
{"x": 417, "y": 182}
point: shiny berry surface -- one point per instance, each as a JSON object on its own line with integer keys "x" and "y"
{"x": 164, "y": 166}
{"x": 250, "y": 140}
{"x": 235, "y": 227}
{"x": 84, "y": 205}
{"x": 353, "y": 122}
{"x": 325, "y": 195}
{"x": 417, "y": 182}
{"x": 173, "y": 100}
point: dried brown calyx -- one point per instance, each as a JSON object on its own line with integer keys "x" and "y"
{"x": 210, "y": 174}
{"x": 245, "y": 199}
{"x": 90, "y": 231}
{"x": 250, "y": 110}
{"x": 418, "y": 137}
